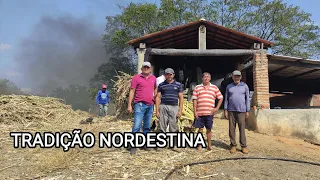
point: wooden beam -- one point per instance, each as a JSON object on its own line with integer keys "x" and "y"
{"x": 207, "y": 52}
{"x": 304, "y": 73}
{"x": 174, "y": 43}
{"x": 174, "y": 38}
{"x": 296, "y": 64}
{"x": 224, "y": 42}
{"x": 278, "y": 70}
{"x": 228, "y": 39}
{"x": 170, "y": 34}
{"x": 247, "y": 66}
{"x": 226, "y": 34}
{"x": 213, "y": 40}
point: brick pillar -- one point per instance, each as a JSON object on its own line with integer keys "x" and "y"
{"x": 261, "y": 80}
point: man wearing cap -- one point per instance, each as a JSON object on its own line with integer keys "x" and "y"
{"x": 168, "y": 97}
{"x": 142, "y": 92}
{"x": 236, "y": 110}
{"x": 102, "y": 100}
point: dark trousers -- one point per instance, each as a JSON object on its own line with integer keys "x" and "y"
{"x": 240, "y": 118}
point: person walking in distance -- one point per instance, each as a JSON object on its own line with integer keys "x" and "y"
{"x": 170, "y": 94}
{"x": 142, "y": 92}
{"x": 236, "y": 110}
{"x": 204, "y": 97}
{"x": 102, "y": 100}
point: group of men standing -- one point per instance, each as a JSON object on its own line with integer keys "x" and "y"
{"x": 168, "y": 100}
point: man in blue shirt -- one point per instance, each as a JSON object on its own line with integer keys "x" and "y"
{"x": 170, "y": 94}
{"x": 236, "y": 110}
{"x": 102, "y": 100}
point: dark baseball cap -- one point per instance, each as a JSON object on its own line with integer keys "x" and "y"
{"x": 169, "y": 71}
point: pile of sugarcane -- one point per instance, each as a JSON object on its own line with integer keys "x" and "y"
{"x": 122, "y": 88}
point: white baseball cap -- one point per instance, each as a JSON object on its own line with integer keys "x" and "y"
{"x": 146, "y": 64}
{"x": 236, "y": 73}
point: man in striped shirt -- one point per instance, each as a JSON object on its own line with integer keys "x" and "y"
{"x": 169, "y": 102}
{"x": 204, "y": 97}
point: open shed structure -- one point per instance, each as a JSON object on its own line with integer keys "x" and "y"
{"x": 203, "y": 46}
{"x": 284, "y": 86}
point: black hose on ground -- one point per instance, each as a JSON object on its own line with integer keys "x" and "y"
{"x": 239, "y": 158}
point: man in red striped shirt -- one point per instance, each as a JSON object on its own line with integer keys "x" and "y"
{"x": 204, "y": 96}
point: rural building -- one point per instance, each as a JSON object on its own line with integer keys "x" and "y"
{"x": 284, "y": 86}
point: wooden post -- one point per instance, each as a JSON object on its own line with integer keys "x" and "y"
{"x": 140, "y": 51}
{"x": 202, "y": 37}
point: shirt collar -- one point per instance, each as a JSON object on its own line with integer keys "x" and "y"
{"x": 174, "y": 81}
{"x": 143, "y": 76}
{"x": 240, "y": 84}
{"x": 203, "y": 85}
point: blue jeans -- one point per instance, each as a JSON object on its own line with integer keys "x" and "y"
{"x": 142, "y": 112}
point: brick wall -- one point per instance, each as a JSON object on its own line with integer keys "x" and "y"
{"x": 261, "y": 80}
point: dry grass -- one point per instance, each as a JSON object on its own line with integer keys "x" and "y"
{"x": 36, "y": 113}
{"x": 55, "y": 159}
{"x": 117, "y": 163}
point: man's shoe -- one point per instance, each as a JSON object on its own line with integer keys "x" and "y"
{"x": 133, "y": 151}
{"x": 244, "y": 150}
{"x": 233, "y": 149}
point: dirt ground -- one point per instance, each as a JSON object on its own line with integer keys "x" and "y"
{"x": 113, "y": 163}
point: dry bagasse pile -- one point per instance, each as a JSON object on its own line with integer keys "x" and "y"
{"x": 35, "y": 111}
{"x": 122, "y": 88}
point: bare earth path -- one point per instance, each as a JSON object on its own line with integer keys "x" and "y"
{"x": 96, "y": 163}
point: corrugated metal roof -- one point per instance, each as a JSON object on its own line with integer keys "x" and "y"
{"x": 186, "y": 36}
{"x": 294, "y": 67}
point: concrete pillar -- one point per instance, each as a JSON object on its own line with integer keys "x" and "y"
{"x": 261, "y": 80}
{"x": 152, "y": 70}
{"x": 202, "y": 37}
{"x": 140, "y": 53}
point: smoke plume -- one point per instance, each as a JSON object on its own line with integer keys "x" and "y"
{"x": 59, "y": 52}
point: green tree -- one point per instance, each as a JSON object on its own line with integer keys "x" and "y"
{"x": 108, "y": 71}
{"x": 75, "y": 95}
{"x": 7, "y": 88}
{"x": 289, "y": 27}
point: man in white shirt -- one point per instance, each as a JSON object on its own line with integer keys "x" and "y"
{"x": 160, "y": 79}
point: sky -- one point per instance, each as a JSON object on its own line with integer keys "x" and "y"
{"x": 18, "y": 19}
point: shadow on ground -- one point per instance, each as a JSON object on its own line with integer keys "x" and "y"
{"x": 220, "y": 144}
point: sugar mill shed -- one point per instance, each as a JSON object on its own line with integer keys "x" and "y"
{"x": 277, "y": 82}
